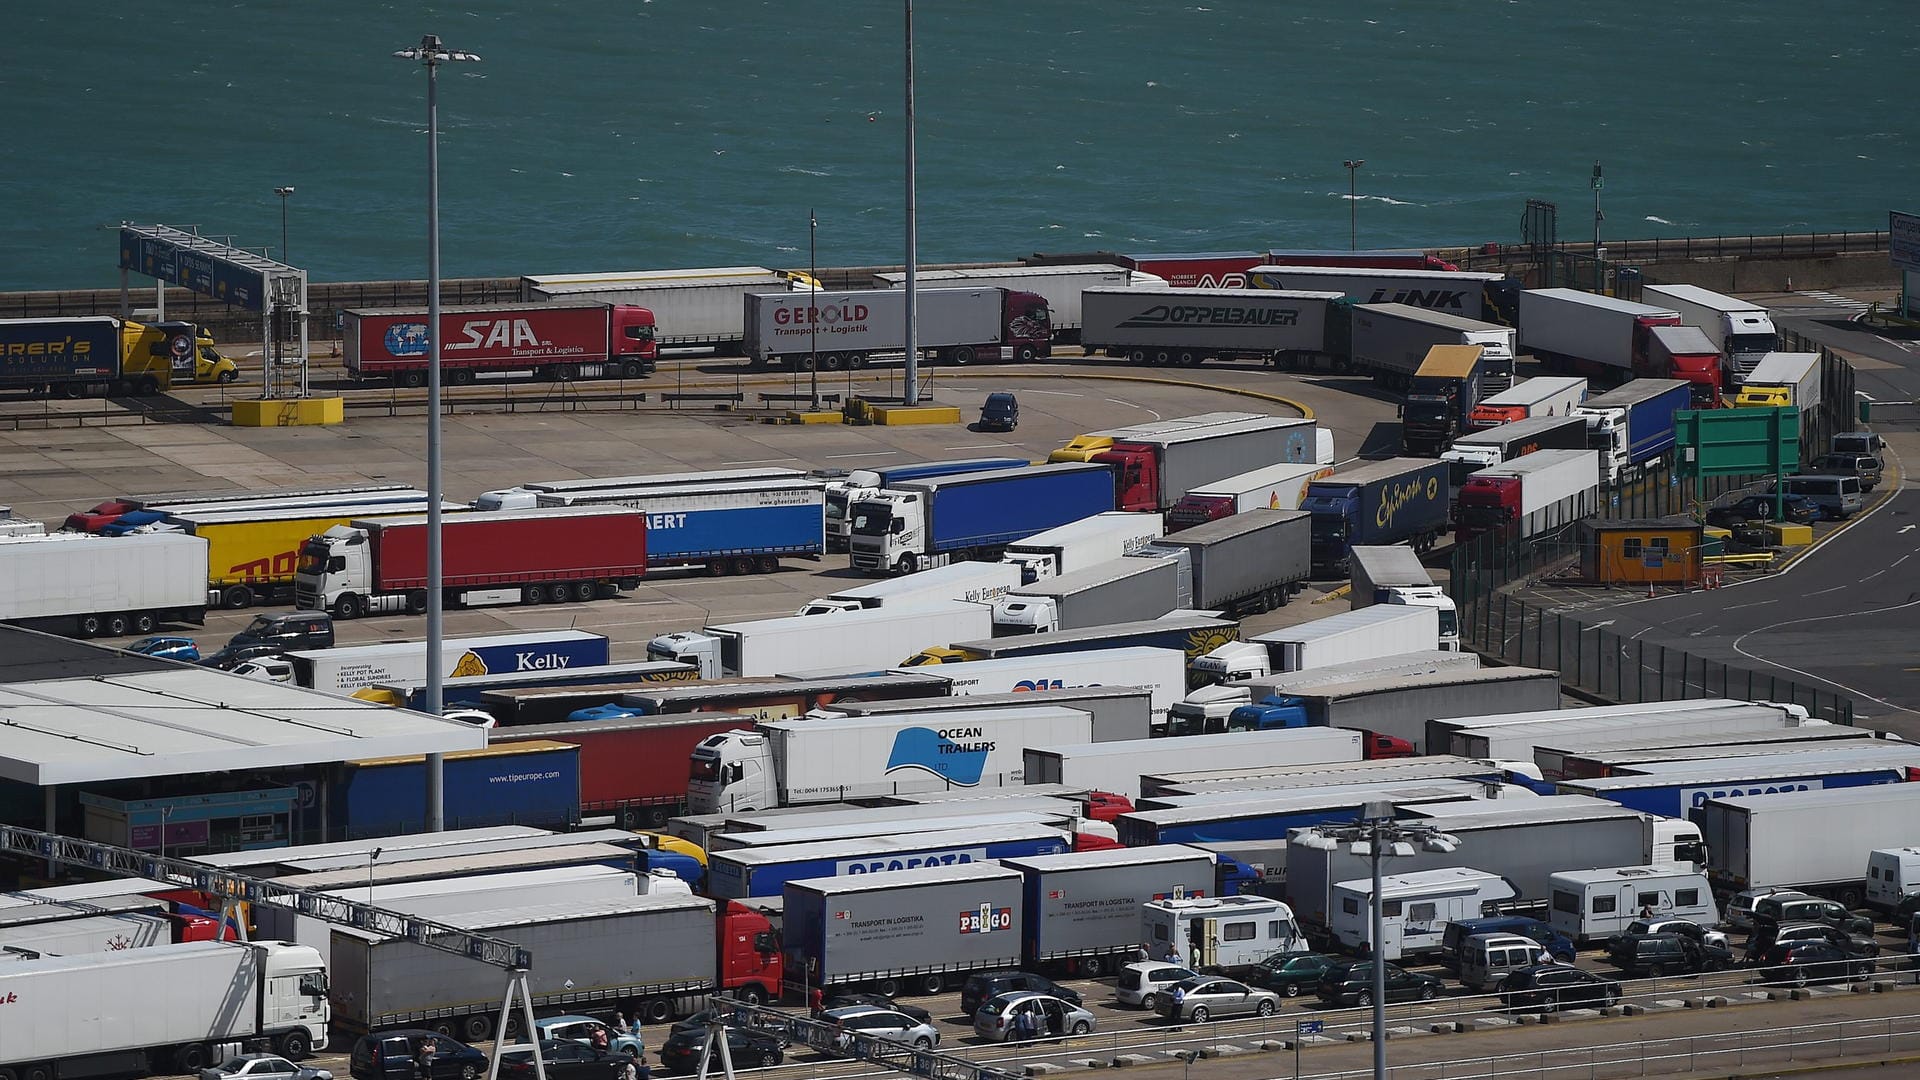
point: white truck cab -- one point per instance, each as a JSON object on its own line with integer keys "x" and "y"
{"x": 887, "y": 533}
{"x": 732, "y": 772}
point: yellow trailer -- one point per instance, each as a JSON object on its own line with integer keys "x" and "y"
{"x": 252, "y": 555}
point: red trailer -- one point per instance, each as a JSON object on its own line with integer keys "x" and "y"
{"x": 1204, "y": 270}
{"x": 582, "y": 340}
{"x": 503, "y": 557}
{"x": 635, "y": 767}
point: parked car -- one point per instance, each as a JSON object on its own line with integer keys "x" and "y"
{"x": 1739, "y": 910}
{"x": 840, "y": 999}
{"x": 1686, "y": 928}
{"x": 581, "y": 1029}
{"x": 681, "y": 1052}
{"x": 233, "y": 656}
{"x": 287, "y": 631}
{"x": 1000, "y": 412}
{"x": 983, "y": 985}
{"x": 1775, "y": 912}
{"x": 1291, "y": 973}
{"x": 391, "y": 1055}
{"x": 1142, "y": 983}
{"x": 168, "y": 647}
{"x": 1800, "y": 510}
{"x": 1053, "y": 1018}
{"x": 1205, "y": 997}
{"x": 1458, "y": 931}
{"x": 1666, "y": 954}
{"x": 567, "y": 1060}
{"x": 1550, "y": 987}
{"x": 262, "y": 1067}
{"x": 883, "y": 1024}
{"x": 1864, "y": 467}
{"x": 1350, "y": 982}
{"x": 1801, "y": 962}
{"x": 1800, "y": 933}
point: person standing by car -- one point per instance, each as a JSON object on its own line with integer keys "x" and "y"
{"x": 423, "y": 1061}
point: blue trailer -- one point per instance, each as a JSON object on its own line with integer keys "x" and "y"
{"x": 927, "y": 522}
{"x": 862, "y": 483}
{"x": 743, "y": 873}
{"x": 743, "y": 526}
{"x": 44, "y": 354}
{"x": 1677, "y": 788}
{"x": 523, "y": 783}
{"x": 1268, "y": 815}
{"x": 467, "y": 692}
{"x": 1634, "y": 425}
{"x": 1396, "y": 501}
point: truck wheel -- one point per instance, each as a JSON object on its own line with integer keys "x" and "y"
{"x": 833, "y": 361}
{"x": 413, "y": 380}
{"x": 932, "y": 984}
{"x": 235, "y": 597}
{"x": 143, "y": 622}
{"x": 1162, "y": 357}
{"x": 719, "y": 568}
{"x": 477, "y": 1028}
{"x": 38, "y": 1072}
{"x": 116, "y": 625}
{"x": 585, "y": 591}
{"x": 1138, "y": 356}
{"x": 962, "y": 355}
{"x": 87, "y": 626}
{"x": 657, "y": 1011}
{"x": 147, "y": 386}
{"x": 459, "y": 376}
{"x": 909, "y": 563}
{"x": 295, "y": 1045}
{"x": 1027, "y": 354}
{"x": 189, "y": 1058}
{"x": 856, "y": 361}
{"x": 8, "y": 1074}
{"x": 769, "y": 564}
{"x": 744, "y": 565}
{"x": 230, "y": 375}
{"x": 533, "y": 594}
{"x": 1093, "y": 965}
{"x": 566, "y": 372}
{"x": 417, "y": 602}
{"x": 443, "y": 1028}
{"x": 802, "y": 363}
{"x": 1188, "y": 359}
{"x": 887, "y": 987}
{"x": 559, "y": 594}
{"x": 347, "y": 608}
{"x": 632, "y": 369}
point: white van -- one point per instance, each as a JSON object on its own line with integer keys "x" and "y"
{"x": 1589, "y": 904}
{"x": 1485, "y": 959}
{"x": 1219, "y": 933}
{"x": 1893, "y": 874}
{"x": 1839, "y": 496}
{"x": 1415, "y": 908}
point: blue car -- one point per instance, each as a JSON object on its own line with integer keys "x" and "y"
{"x": 168, "y": 647}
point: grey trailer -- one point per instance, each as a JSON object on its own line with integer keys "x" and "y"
{"x": 1083, "y": 907}
{"x": 915, "y": 931}
{"x": 1244, "y": 564}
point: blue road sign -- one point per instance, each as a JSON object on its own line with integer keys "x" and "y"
{"x": 1310, "y": 1027}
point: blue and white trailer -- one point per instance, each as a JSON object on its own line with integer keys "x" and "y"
{"x": 1677, "y": 788}
{"x": 738, "y": 527}
{"x": 749, "y": 872}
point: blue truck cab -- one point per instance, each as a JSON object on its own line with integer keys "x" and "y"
{"x": 1270, "y": 713}
{"x": 1399, "y": 500}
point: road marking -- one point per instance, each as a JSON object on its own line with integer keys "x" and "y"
{"x": 983, "y": 446}
{"x": 1128, "y": 404}
{"x": 1817, "y": 678}
{"x": 758, "y": 461}
{"x": 1907, "y": 530}
{"x": 870, "y": 453}
{"x": 1823, "y": 592}
{"x": 1055, "y": 393}
{"x": 1901, "y": 559}
{"x": 1598, "y": 625}
{"x": 1835, "y": 299}
{"x": 1756, "y": 603}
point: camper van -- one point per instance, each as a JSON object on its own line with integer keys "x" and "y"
{"x": 1590, "y": 904}
{"x": 1226, "y": 933}
{"x": 1415, "y": 908}
{"x": 1893, "y": 874}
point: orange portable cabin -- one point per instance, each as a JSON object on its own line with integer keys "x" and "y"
{"x": 1642, "y": 551}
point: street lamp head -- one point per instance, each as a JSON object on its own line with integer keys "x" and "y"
{"x": 1377, "y": 810}
{"x": 1354, "y": 163}
{"x": 283, "y": 192}
{"x": 430, "y": 52}
{"x": 1317, "y": 841}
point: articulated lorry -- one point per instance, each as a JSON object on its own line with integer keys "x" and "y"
{"x": 934, "y": 521}
{"x": 1547, "y": 395}
{"x": 1440, "y": 731}
{"x": 1084, "y": 446}
{"x": 1605, "y": 339}
{"x": 1392, "y": 574}
{"x": 86, "y": 586}
{"x": 1734, "y": 720}
{"x": 866, "y": 640}
{"x": 526, "y": 496}
{"x": 914, "y": 931}
{"x": 971, "y": 582}
{"x": 1124, "y": 712}
{"x": 1187, "y": 327}
{"x": 155, "y": 508}
{"x": 1400, "y": 706}
{"x": 1118, "y": 766}
{"x": 1782, "y": 380}
{"x": 1813, "y": 841}
{"x": 1364, "y": 634}
{"x": 743, "y": 527}
{"x": 1249, "y": 781}
{"x": 347, "y": 668}
{"x": 1541, "y": 492}
{"x": 1390, "y": 341}
{"x": 509, "y": 557}
{"x": 561, "y": 341}
{"x": 1225, "y": 706}
{"x": 845, "y": 329}
{"x": 843, "y": 492}
{"x": 1059, "y": 285}
{"x": 1118, "y": 590}
{"x": 1077, "y": 545}
{"x": 1577, "y": 758}
{"x": 1686, "y": 348}
{"x": 100, "y": 355}
{"x": 1160, "y": 672}
{"x": 1504, "y": 442}
{"x": 1634, "y": 426}
{"x": 470, "y": 691}
{"x": 695, "y": 308}
{"x": 1440, "y": 397}
{"x": 764, "y": 698}
{"x": 1740, "y": 330}
{"x": 748, "y": 872}
{"x": 1242, "y": 565}
{"x": 1678, "y": 788}
{"x": 1464, "y": 293}
{"x": 1190, "y": 635}
{"x": 1151, "y": 473}
{"x": 1268, "y": 815}
{"x": 1272, "y": 487}
{"x": 1374, "y": 503}
{"x": 252, "y": 554}
{"x": 1082, "y": 908}
{"x": 633, "y": 768}
{"x": 521, "y": 783}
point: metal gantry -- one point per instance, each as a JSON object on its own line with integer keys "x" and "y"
{"x": 828, "y": 1038}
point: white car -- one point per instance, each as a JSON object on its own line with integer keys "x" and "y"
{"x": 1142, "y": 983}
{"x": 262, "y": 1067}
{"x": 882, "y": 1023}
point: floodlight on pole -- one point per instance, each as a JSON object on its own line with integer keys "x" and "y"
{"x": 431, "y": 53}
{"x": 1352, "y": 166}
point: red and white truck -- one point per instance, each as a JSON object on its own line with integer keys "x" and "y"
{"x": 1274, "y": 487}
{"x": 1535, "y": 493}
{"x": 507, "y": 557}
{"x": 580, "y": 340}
{"x": 1151, "y": 474}
{"x": 1607, "y": 339}
{"x": 1549, "y": 395}
{"x": 844, "y": 329}
{"x": 1689, "y": 348}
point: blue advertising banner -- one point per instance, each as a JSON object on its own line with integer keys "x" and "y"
{"x": 198, "y": 266}
{"x": 537, "y": 785}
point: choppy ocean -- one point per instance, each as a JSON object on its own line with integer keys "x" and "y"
{"x": 622, "y": 134}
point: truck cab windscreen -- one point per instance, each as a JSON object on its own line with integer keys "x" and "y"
{"x": 704, "y": 767}
{"x": 1449, "y": 624}
{"x": 313, "y": 559}
{"x": 1426, "y": 411}
{"x": 871, "y": 520}
{"x": 1328, "y": 529}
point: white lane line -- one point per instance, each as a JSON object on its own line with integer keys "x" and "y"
{"x": 1823, "y": 592}
{"x": 758, "y": 461}
{"x": 1808, "y": 674}
{"x": 1055, "y": 393}
{"x": 1757, "y": 603}
{"x": 870, "y": 453}
{"x": 983, "y": 446}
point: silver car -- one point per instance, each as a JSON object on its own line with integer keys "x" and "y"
{"x": 879, "y": 1023}
{"x": 1205, "y": 997}
{"x": 262, "y": 1067}
{"x": 1053, "y": 1018}
{"x": 1141, "y": 982}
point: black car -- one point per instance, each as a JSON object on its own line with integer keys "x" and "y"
{"x": 1801, "y": 962}
{"x": 1666, "y": 954}
{"x": 1800, "y": 510}
{"x": 1350, "y": 982}
{"x": 1288, "y": 974}
{"x": 234, "y": 655}
{"x": 566, "y": 1060}
{"x": 990, "y": 984}
{"x": 1001, "y": 412}
{"x": 1547, "y": 987}
{"x": 751, "y": 1049}
{"x": 392, "y": 1055}
{"x": 1844, "y": 924}
{"x": 840, "y": 998}
{"x": 1760, "y": 947}
{"x": 289, "y": 631}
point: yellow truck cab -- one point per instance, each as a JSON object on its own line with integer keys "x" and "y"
{"x": 1082, "y": 448}
{"x": 174, "y": 352}
{"x": 937, "y": 654}
{"x": 1754, "y": 396}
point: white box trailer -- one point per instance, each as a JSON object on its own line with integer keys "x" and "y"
{"x": 1462, "y": 293}
{"x": 972, "y": 582}
{"x": 1187, "y": 326}
{"x": 1583, "y": 326}
{"x": 1118, "y": 766}
{"x": 1061, "y": 286}
{"x": 1545, "y": 395}
{"x": 1120, "y": 712}
{"x": 1365, "y": 634}
{"x": 1796, "y": 373}
{"x": 1270, "y": 487}
{"x": 698, "y": 307}
{"x": 1518, "y": 741}
{"x": 1418, "y": 907}
{"x": 346, "y": 668}
{"x": 1439, "y": 730}
{"x": 81, "y": 586}
{"x": 958, "y": 326}
{"x": 1531, "y": 495}
{"x": 1080, "y": 544}
{"x": 1115, "y": 591}
{"x": 1160, "y": 672}
{"x": 1814, "y": 841}
{"x": 1391, "y": 341}
{"x": 866, "y": 640}
{"x": 1741, "y": 330}
{"x": 113, "y": 932}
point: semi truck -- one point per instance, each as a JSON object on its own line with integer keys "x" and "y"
{"x": 1152, "y": 472}
{"x": 743, "y": 527}
{"x": 1276, "y": 778}
{"x": 750, "y": 872}
{"x": 158, "y": 506}
{"x": 1391, "y": 341}
{"x": 469, "y": 691}
{"x": 1187, "y": 327}
{"x": 634, "y": 767}
{"x": 1271, "y": 816}
{"x": 1603, "y": 338}
{"x": 252, "y": 554}
{"x": 85, "y": 586}
{"x": 1541, "y": 492}
{"x": 1368, "y": 633}
{"x": 1741, "y": 330}
{"x": 858, "y": 640}
{"x": 561, "y": 341}
{"x": 1782, "y": 380}
{"x": 1440, "y": 397}
{"x": 1082, "y": 908}
{"x": 1440, "y": 731}
{"x": 1633, "y": 426}
{"x": 1083, "y": 446}
{"x": 1392, "y": 574}
{"x": 1583, "y": 757}
{"x": 1465, "y": 293}
{"x": 510, "y": 557}
{"x": 522, "y": 783}
{"x": 1218, "y": 707}
{"x": 1399, "y": 500}
{"x": 975, "y": 515}
{"x": 761, "y": 698}
{"x": 914, "y": 931}
{"x": 347, "y": 668}
{"x": 1242, "y": 565}
{"x": 1504, "y": 442}
{"x": 1059, "y": 285}
{"x": 1160, "y": 672}
{"x": 1077, "y": 545}
{"x": 1547, "y": 395}
{"x": 1124, "y": 712}
{"x": 1815, "y": 841}
{"x": 1400, "y": 706}
{"x": 1686, "y": 348}
{"x": 844, "y": 329}
{"x": 526, "y": 496}
{"x": 98, "y": 355}
{"x": 1272, "y": 487}
{"x": 1678, "y": 788}
{"x": 698, "y": 307}
{"x": 1190, "y": 635}
{"x": 843, "y": 492}
{"x": 971, "y": 582}
{"x": 1118, "y": 590}
{"x": 170, "y": 1007}
{"x": 1521, "y": 740}
{"x": 1118, "y": 766}
{"x": 655, "y": 957}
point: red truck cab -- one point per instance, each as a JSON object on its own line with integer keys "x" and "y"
{"x": 92, "y": 521}
{"x": 1486, "y": 503}
{"x": 1136, "y": 475}
{"x": 1194, "y": 510}
{"x": 1378, "y": 747}
{"x": 1486, "y": 416}
{"x": 750, "y": 958}
{"x": 1106, "y": 805}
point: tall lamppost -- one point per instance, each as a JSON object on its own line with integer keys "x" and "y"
{"x": 1597, "y": 182}
{"x": 431, "y": 54}
{"x": 813, "y": 313}
{"x": 279, "y": 320}
{"x": 1376, "y": 834}
{"x": 1353, "y": 201}
{"x": 912, "y": 371}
